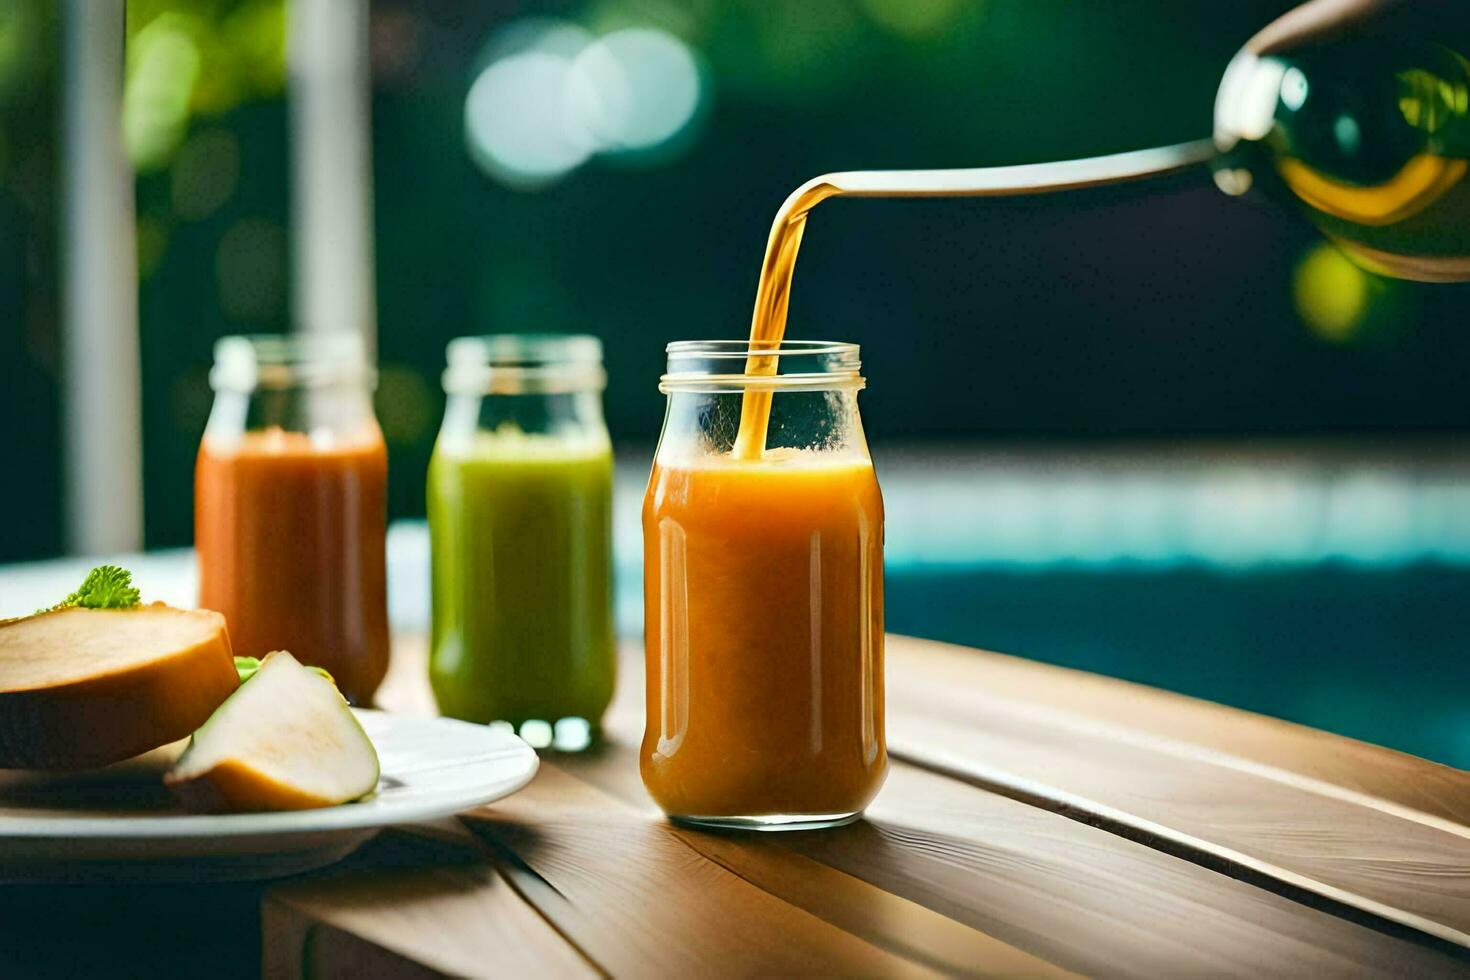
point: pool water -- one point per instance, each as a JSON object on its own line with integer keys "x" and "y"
{"x": 1381, "y": 655}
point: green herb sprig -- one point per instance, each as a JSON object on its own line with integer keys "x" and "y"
{"x": 105, "y": 587}
{"x": 247, "y": 667}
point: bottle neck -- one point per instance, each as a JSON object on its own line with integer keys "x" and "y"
{"x": 335, "y": 414}
{"x": 809, "y": 422}
{"x": 572, "y": 416}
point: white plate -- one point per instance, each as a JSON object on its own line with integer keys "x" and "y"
{"x": 119, "y": 825}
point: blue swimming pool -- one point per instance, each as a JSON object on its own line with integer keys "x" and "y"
{"x": 1380, "y": 655}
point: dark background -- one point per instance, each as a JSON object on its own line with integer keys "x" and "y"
{"x": 1155, "y": 310}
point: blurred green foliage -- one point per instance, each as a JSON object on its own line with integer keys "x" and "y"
{"x": 190, "y": 60}
{"x": 1160, "y": 310}
{"x": 29, "y": 287}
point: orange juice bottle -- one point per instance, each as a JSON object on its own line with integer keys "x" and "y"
{"x": 290, "y": 505}
{"x": 763, "y": 595}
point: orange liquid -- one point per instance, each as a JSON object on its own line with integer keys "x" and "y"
{"x": 763, "y": 588}
{"x": 291, "y": 550}
{"x": 772, "y": 301}
{"x": 773, "y": 289}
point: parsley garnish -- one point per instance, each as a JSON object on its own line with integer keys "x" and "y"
{"x": 105, "y": 587}
{"x": 247, "y": 666}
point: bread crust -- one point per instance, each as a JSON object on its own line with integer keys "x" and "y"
{"x": 99, "y": 720}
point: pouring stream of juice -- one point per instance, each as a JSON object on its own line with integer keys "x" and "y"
{"x": 1357, "y": 111}
{"x": 773, "y": 294}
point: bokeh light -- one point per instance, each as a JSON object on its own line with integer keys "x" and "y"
{"x": 516, "y": 122}
{"x": 152, "y": 239}
{"x": 186, "y": 59}
{"x": 256, "y": 35}
{"x": 1332, "y": 295}
{"x": 634, "y": 89}
{"x": 551, "y": 95}
{"x": 20, "y": 22}
{"x": 915, "y": 18}
{"x": 204, "y": 173}
{"x": 251, "y": 269}
{"x": 163, "y": 65}
{"x": 405, "y": 403}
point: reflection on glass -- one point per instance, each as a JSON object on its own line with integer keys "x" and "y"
{"x": 1365, "y": 125}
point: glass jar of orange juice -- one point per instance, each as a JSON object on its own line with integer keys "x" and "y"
{"x": 763, "y": 593}
{"x": 290, "y": 504}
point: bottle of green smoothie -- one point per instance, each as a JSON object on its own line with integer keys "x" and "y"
{"x": 519, "y": 499}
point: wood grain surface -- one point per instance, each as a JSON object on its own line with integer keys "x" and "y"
{"x": 1019, "y": 834}
{"x": 624, "y": 889}
{"x": 439, "y": 911}
{"x": 1075, "y": 896}
{"x": 1332, "y": 765}
{"x": 1300, "y": 813}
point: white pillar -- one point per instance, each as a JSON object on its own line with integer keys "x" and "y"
{"x": 102, "y": 403}
{"x": 332, "y": 167}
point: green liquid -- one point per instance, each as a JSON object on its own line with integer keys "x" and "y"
{"x": 520, "y": 528}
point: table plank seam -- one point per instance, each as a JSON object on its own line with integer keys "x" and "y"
{"x": 1043, "y": 966}
{"x": 1009, "y": 683}
{"x": 1232, "y": 863}
{"x": 1192, "y": 752}
{"x": 503, "y": 856}
{"x": 514, "y": 871}
{"x": 480, "y": 823}
{"x": 442, "y": 871}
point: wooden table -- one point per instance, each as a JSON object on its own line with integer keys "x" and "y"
{"x": 1037, "y": 821}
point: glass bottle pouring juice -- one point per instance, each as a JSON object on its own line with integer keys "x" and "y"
{"x": 290, "y": 505}
{"x": 520, "y": 499}
{"x": 1355, "y": 111}
{"x": 763, "y": 595}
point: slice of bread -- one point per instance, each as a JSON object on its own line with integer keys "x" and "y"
{"x": 88, "y": 687}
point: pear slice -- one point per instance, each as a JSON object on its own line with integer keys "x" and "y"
{"x": 88, "y": 687}
{"x": 286, "y": 740}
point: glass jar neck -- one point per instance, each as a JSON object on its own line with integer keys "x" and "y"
{"x": 807, "y": 422}
{"x": 762, "y": 403}
{"x": 524, "y": 364}
{"x": 246, "y": 364}
{"x": 317, "y": 384}
{"x": 737, "y": 365}
{"x": 524, "y": 385}
{"x": 571, "y": 414}
{"x": 332, "y": 414}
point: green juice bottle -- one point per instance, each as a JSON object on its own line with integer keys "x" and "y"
{"x": 520, "y": 500}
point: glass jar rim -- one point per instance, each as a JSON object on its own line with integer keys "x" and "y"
{"x": 724, "y": 365}
{"x": 303, "y": 359}
{"x": 524, "y": 363}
